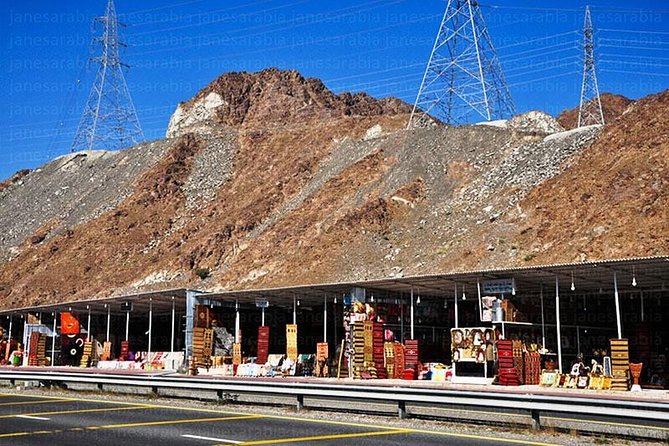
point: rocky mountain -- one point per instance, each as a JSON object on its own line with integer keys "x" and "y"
{"x": 613, "y": 106}
{"x": 270, "y": 179}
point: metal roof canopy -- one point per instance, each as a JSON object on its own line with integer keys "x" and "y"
{"x": 161, "y": 301}
{"x": 651, "y": 273}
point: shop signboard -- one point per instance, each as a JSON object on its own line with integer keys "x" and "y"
{"x": 498, "y": 286}
{"x": 261, "y": 302}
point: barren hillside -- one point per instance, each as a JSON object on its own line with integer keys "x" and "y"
{"x": 270, "y": 179}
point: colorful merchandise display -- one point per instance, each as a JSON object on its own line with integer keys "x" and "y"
{"x": 291, "y": 341}
{"x": 620, "y": 364}
{"x": 263, "y": 345}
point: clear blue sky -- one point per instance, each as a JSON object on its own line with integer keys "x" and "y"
{"x": 175, "y": 47}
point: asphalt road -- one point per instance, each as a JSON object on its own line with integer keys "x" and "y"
{"x": 40, "y": 420}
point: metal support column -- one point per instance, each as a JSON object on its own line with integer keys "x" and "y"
{"x": 325, "y": 318}
{"x": 108, "y": 319}
{"x": 412, "y": 315}
{"x": 150, "y": 328}
{"x": 237, "y": 322}
{"x": 173, "y": 322}
{"x": 127, "y": 325}
{"x": 294, "y": 310}
{"x": 455, "y": 295}
{"x": 88, "y": 324}
{"x": 53, "y": 340}
{"x": 617, "y": 297}
{"x": 557, "y": 322}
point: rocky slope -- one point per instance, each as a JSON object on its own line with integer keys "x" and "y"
{"x": 269, "y": 179}
{"x": 613, "y": 106}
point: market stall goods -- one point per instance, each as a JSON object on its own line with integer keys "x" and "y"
{"x": 291, "y": 341}
{"x": 263, "y": 345}
{"x": 620, "y": 364}
{"x": 411, "y": 353}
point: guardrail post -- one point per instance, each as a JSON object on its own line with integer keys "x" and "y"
{"x": 100, "y": 386}
{"x": 402, "y": 409}
{"x": 154, "y": 390}
{"x": 536, "y": 420}
{"x": 219, "y": 394}
{"x": 300, "y": 402}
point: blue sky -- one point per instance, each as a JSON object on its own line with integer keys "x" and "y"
{"x": 175, "y": 47}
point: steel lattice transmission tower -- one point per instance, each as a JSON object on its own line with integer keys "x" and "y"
{"x": 590, "y": 109}
{"x": 109, "y": 120}
{"x": 463, "y": 81}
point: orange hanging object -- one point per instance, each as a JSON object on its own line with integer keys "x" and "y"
{"x": 69, "y": 324}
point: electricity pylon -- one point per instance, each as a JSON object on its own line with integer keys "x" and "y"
{"x": 590, "y": 108}
{"x": 109, "y": 119}
{"x": 463, "y": 81}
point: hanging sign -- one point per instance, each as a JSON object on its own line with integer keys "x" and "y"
{"x": 261, "y": 302}
{"x": 498, "y": 286}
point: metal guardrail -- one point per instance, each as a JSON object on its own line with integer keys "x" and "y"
{"x": 535, "y": 405}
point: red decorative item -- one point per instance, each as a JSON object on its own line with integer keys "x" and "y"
{"x": 69, "y": 324}
{"x": 263, "y": 345}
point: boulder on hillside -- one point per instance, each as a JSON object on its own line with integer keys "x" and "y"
{"x": 535, "y": 121}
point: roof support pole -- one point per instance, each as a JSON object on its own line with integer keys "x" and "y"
{"x": 557, "y": 322}
{"x": 237, "y": 322}
{"x": 325, "y": 318}
{"x": 53, "y": 338}
{"x": 543, "y": 324}
{"x": 11, "y": 320}
{"x": 262, "y": 316}
{"x": 108, "y": 319}
{"x": 455, "y": 297}
{"x": 478, "y": 290}
{"x": 148, "y": 358}
{"x": 412, "y": 316}
{"x": 402, "y": 317}
{"x": 294, "y": 310}
{"x": 173, "y": 322}
{"x": 617, "y": 296}
{"x": 88, "y": 324}
{"x": 127, "y": 325}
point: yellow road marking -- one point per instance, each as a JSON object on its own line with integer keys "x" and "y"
{"x": 21, "y": 403}
{"x": 164, "y": 422}
{"x": 65, "y": 412}
{"x": 326, "y": 437}
{"x": 330, "y": 422}
{"x": 125, "y": 425}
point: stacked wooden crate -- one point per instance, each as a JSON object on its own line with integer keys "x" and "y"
{"x": 291, "y": 341}
{"x": 236, "y": 353}
{"x": 86, "y": 356}
{"x": 358, "y": 341}
{"x": 389, "y": 358}
{"x": 41, "y": 350}
{"x": 125, "y": 350}
{"x": 32, "y": 348}
{"x": 411, "y": 353}
{"x": 203, "y": 342}
{"x": 620, "y": 364}
{"x": 399, "y": 360}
